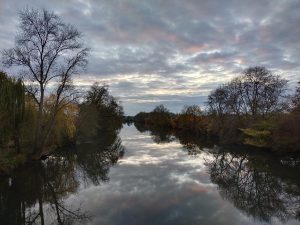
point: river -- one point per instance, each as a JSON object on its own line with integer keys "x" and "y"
{"x": 140, "y": 177}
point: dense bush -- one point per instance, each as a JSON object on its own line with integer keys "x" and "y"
{"x": 98, "y": 113}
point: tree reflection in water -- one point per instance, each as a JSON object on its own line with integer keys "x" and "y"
{"x": 262, "y": 185}
{"x": 192, "y": 144}
{"x": 37, "y": 193}
{"x": 158, "y": 135}
{"x": 256, "y": 185}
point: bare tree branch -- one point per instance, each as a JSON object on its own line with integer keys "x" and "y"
{"x": 47, "y": 50}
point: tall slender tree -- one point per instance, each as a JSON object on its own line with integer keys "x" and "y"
{"x": 48, "y": 51}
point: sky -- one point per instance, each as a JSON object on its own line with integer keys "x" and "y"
{"x": 173, "y": 52}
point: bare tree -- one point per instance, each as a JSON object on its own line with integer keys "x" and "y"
{"x": 48, "y": 51}
{"x": 262, "y": 90}
{"x": 217, "y": 101}
{"x": 192, "y": 110}
{"x": 257, "y": 92}
{"x": 235, "y": 102}
{"x": 296, "y": 99}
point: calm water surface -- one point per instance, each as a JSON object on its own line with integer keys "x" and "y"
{"x": 140, "y": 178}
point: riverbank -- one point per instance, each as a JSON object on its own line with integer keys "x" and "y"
{"x": 118, "y": 173}
{"x": 278, "y": 133}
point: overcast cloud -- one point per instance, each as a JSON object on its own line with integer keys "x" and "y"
{"x": 172, "y": 51}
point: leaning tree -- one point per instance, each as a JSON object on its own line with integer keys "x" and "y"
{"x": 48, "y": 52}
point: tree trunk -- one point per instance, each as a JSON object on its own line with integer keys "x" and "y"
{"x": 38, "y": 148}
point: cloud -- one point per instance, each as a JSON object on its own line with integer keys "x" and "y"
{"x": 173, "y": 46}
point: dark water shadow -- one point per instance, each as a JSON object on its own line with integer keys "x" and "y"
{"x": 37, "y": 192}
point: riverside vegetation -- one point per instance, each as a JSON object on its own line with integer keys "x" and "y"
{"x": 75, "y": 123}
{"x": 42, "y": 110}
{"x": 253, "y": 109}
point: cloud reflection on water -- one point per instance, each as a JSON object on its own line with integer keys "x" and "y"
{"x": 160, "y": 184}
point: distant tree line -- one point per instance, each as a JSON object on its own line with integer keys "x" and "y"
{"x": 253, "y": 108}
